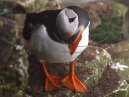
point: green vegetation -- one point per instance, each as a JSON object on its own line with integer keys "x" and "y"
{"x": 109, "y": 31}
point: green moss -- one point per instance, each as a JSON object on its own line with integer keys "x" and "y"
{"x": 6, "y": 87}
{"x": 128, "y": 93}
{"x": 13, "y": 74}
{"x": 124, "y": 75}
{"x": 91, "y": 17}
{"x": 97, "y": 66}
{"x": 109, "y": 31}
{"x": 119, "y": 9}
{"x": 119, "y": 94}
{"x": 128, "y": 31}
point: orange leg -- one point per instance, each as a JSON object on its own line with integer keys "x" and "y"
{"x": 52, "y": 82}
{"x": 71, "y": 81}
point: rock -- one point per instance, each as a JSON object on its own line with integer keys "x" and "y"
{"x": 106, "y": 9}
{"x": 120, "y": 54}
{"x": 123, "y": 88}
{"x": 98, "y": 58}
{"x": 111, "y": 84}
{"x": 119, "y": 50}
{"x": 108, "y": 82}
{"x": 11, "y": 50}
{"x": 24, "y": 6}
{"x": 25, "y": 2}
{"x": 96, "y": 11}
{"x": 7, "y": 40}
{"x": 21, "y": 93}
{"x": 12, "y": 6}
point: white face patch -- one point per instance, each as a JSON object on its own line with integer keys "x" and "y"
{"x": 63, "y": 24}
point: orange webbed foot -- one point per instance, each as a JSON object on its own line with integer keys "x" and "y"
{"x": 71, "y": 81}
{"x": 52, "y": 82}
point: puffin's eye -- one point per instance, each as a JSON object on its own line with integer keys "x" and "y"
{"x": 71, "y": 19}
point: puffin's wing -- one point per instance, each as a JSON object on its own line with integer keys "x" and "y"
{"x": 32, "y": 19}
{"x": 29, "y": 25}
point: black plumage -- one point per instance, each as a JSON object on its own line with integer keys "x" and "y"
{"x": 47, "y": 18}
{"x": 82, "y": 15}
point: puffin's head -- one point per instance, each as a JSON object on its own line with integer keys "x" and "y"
{"x": 70, "y": 22}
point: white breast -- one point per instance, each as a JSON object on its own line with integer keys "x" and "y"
{"x": 47, "y": 49}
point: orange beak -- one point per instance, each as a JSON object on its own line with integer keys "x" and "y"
{"x": 72, "y": 47}
{"x": 75, "y": 40}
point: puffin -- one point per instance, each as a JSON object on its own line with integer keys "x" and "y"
{"x": 58, "y": 36}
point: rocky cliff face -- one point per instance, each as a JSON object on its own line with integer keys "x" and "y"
{"x": 102, "y": 67}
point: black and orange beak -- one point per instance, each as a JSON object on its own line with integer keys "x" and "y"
{"x": 74, "y": 40}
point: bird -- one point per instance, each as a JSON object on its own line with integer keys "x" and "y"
{"x": 57, "y": 36}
